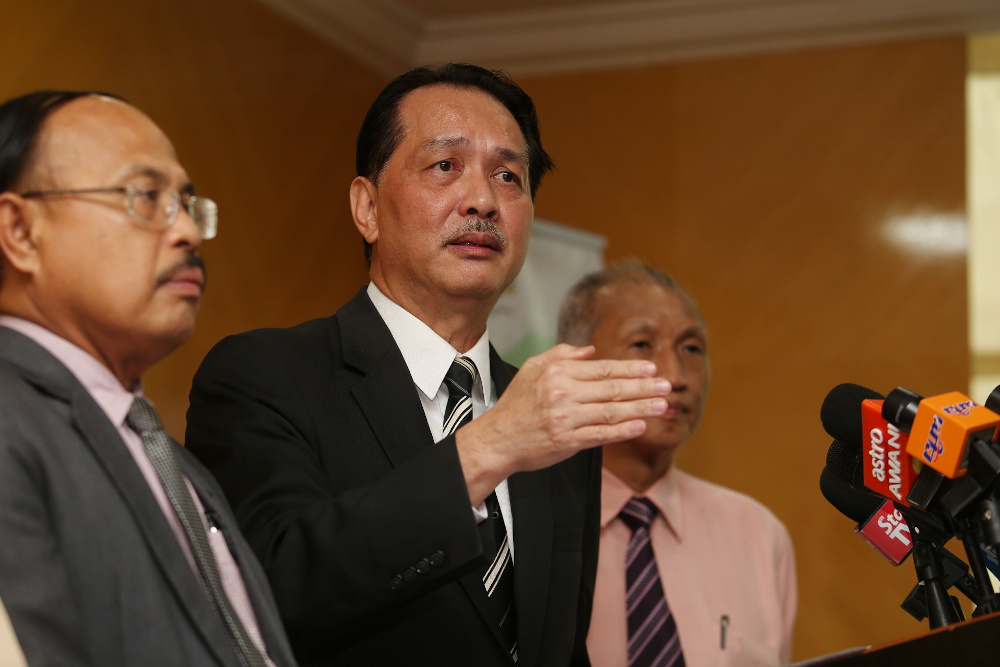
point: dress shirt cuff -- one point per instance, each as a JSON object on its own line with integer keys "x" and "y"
{"x": 480, "y": 513}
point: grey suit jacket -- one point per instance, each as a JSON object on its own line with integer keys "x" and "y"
{"x": 90, "y": 571}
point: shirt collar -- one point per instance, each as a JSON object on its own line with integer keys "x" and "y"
{"x": 664, "y": 494}
{"x": 428, "y": 356}
{"x": 95, "y": 377}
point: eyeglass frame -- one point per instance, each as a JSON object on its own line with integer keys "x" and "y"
{"x": 207, "y": 220}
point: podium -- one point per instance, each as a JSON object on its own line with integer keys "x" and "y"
{"x": 974, "y": 642}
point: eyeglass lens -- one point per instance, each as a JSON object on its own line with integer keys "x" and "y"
{"x": 160, "y": 206}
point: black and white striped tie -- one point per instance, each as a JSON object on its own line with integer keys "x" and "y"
{"x": 144, "y": 421}
{"x": 498, "y": 577}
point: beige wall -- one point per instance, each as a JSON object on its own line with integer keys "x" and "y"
{"x": 263, "y": 117}
{"x": 761, "y": 183}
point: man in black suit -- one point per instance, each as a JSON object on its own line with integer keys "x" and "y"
{"x": 116, "y": 546}
{"x": 379, "y": 526}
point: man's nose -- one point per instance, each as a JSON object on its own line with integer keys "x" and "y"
{"x": 184, "y": 232}
{"x": 479, "y": 198}
{"x": 671, "y": 368}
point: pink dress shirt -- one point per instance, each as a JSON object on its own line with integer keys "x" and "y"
{"x": 727, "y": 568}
{"x": 115, "y": 401}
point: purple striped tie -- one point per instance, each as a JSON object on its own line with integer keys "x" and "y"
{"x": 652, "y": 633}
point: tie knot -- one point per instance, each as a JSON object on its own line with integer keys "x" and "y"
{"x": 638, "y": 513}
{"x": 142, "y": 416}
{"x": 460, "y": 377}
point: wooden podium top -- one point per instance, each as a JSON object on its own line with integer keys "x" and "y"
{"x": 973, "y": 642}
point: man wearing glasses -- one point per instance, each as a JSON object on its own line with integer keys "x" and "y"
{"x": 117, "y": 547}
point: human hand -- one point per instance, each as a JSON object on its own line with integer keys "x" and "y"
{"x": 559, "y": 403}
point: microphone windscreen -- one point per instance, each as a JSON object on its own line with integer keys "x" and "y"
{"x": 856, "y": 504}
{"x": 841, "y": 412}
{"x": 845, "y": 463}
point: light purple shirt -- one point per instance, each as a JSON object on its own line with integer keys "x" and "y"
{"x": 116, "y": 401}
{"x": 726, "y": 565}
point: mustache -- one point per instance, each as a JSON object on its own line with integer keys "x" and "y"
{"x": 189, "y": 262}
{"x": 485, "y": 226}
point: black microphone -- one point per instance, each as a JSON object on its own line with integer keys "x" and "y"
{"x": 856, "y": 504}
{"x": 894, "y": 531}
{"x": 841, "y": 413}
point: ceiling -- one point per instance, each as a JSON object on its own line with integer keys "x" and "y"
{"x": 530, "y": 37}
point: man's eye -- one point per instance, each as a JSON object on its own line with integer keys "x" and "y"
{"x": 693, "y": 349}
{"x": 445, "y": 165}
{"x": 508, "y": 177}
{"x": 641, "y": 344}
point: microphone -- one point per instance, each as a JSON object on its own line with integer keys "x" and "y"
{"x": 888, "y": 469}
{"x": 888, "y": 533}
{"x": 940, "y": 427}
{"x": 857, "y": 505}
{"x": 885, "y": 528}
{"x": 862, "y": 506}
{"x": 840, "y": 413}
{"x": 841, "y": 418}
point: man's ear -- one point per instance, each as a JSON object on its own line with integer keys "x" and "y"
{"x": 364, "y": 209}
{"x": 17, "y": 239}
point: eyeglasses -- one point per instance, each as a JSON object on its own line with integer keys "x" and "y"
{"x": 156, "y": 206}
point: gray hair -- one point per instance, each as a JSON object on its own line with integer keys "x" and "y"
{"x": 578, "y": 316}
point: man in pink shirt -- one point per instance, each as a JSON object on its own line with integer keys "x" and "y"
{"x": 689, "y": 573}
{"x": 118, "y": 548}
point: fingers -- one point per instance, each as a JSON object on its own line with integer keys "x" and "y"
{"x": 561, "y": 401}
{"x": 560, "y": 352}
{"x": 605, "y": 434}
{"x": 576, "y": 425}
{"x": 585, "y": 369}
{"x": 619, "y": 389}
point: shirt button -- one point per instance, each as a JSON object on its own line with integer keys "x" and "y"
{"x": 396, "y": 583}
{"x": 409, "y": 575}
{"x": 424, "y": 566}
{"x": 437, "y": 559}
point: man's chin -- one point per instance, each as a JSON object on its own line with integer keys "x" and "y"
{"x": 480, "y": 286}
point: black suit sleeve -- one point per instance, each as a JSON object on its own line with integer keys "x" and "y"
{"x": 343, "y": 534}
{"x": 588, "y": 572}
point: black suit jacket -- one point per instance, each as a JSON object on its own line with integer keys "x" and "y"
{"x": 90, "y": 571}
{"x": 363, "y": 524}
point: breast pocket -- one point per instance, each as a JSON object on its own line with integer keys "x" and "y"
{"x": 744, "y": 651}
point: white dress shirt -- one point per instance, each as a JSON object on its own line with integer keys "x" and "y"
{"x": 428, "y": 358}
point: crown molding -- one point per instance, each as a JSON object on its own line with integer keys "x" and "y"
{"x": 390, "y": 37}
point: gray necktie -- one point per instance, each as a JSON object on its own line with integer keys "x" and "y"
{"x": 143, "y": 419}
{"x": 498, "y": 576}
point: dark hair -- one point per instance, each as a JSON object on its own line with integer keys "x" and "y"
{"x": 578, "y": 316}
{"x": 21, "y": 120}
{"x": 381, "y": 132}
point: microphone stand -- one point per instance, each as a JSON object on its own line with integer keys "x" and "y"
{"x": 942, "y": 609}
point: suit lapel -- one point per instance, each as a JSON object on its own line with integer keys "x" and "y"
{"x": 253, "y": 576}
{"x": 531, "y": 505}
{"x": 46, "y": 373}
{"x": 386, "y": 394}
{"x": 389, "y": 401}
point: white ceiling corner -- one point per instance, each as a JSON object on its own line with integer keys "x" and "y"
{"x": 532, "y": 37}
